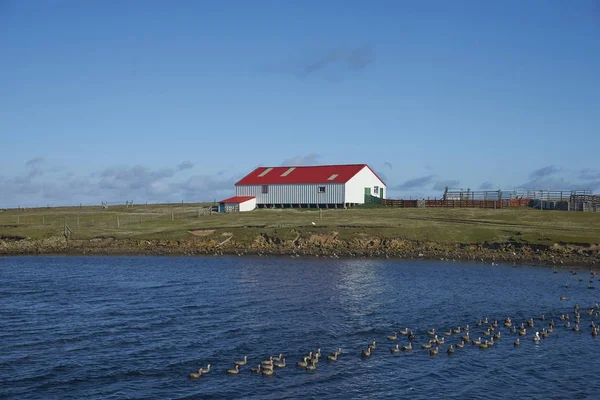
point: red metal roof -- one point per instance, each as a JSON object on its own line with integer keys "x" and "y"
{"x": 237, "y": 199}
{"x": 304, "y": 174}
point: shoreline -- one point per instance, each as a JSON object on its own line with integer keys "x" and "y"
{"x": 555, "y": 256}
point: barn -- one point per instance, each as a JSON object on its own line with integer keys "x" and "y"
{"x": 323, "y": 186}
{"x": 237, "y": 203}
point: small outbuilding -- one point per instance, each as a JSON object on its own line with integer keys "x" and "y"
{"x": 237, "y": 203}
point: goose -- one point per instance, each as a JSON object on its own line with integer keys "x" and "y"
{"x": 456, "y": 331}
{"x": 551, "y": 323}
{"x": 513, "y": 329}
{"x": 544, "y": 334}
{"x": 523, "y": 332}
{"x": 543, "y": 317}
{"x": 550, "y": 329}
{"x": 267, "y": 371}
{"x": 562, "y": 317}
{"x": 563, "y": 298}
{"x": 592, "y": 325}
{"x": 408, "y": 347}
{"x": 567, "y": 325}
{"x": 460, "y": 345}
{"x": 280, "y": 364}
{"x": 403, "y": 332}
{"x": 576, "y": 328}
{"x": 373, "y": 346}
{"x": 448, "y": 333}
{"x": 205, "y": 370}
{"x": 338, "y": 352}
{"x": 234, "y": 371}
{"x": 393, "y": 337}
{"x": 450, "y": 350}
{"x": 480, "y": 322}
{"x": 309, "y": 356}
{"x": 466, "y": 328}
{"x": 302, "y": 363}
{"x": 434, "y": 352}
{"x": 466, "y": 338}
{"x": 311, "y": 367}
{"x": 517, "y": 342}
{"x": 411, "y": 336}
{"x": 395, "y": 349}
{"x": 440, "y": 341}
{"x": 243, "y": 362}
{"x": 278, "y": 358}
{"x": 256, "y": 370}
{"x": 530, "y": 323}
{"x": 267, "y": 362}
{"x": 431, "y": 332}
{"x": 476, "y": 342}
{"x": 315, "y": 359}
{"x": 595, "y": 332}
{"x": 426, "y": 345}
{"x": 484, "y": 345}
{"x": 332, "y": 357}
{"x": 196, "y": 375}
{"x": 318, "y": 353}
{"x": 366, "y": 353}
{"x": 536, "y": 338}
{"x": 496, "y": 336}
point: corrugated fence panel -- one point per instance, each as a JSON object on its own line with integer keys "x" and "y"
{"x": 294, "y": 194}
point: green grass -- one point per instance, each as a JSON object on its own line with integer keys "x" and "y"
{"x": 434, "y": 225}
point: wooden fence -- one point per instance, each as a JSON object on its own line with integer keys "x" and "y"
{"x": 445, "y": 203}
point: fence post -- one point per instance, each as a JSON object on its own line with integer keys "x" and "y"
{"x": 43, "y": 221}
{"x": 172, "y": 217}
{"x": 118, "y": 223}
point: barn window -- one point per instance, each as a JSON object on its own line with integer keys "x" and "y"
{"x": 321, "y": 189}
{"x": 265, "y": 189}
{"x": 376, "y": 189}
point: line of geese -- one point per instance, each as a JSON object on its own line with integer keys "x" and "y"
{"x": 267, "y": 367}
{"x": 310, "y": 361}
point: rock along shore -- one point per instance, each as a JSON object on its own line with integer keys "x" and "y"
{"x": 316, "y": 246}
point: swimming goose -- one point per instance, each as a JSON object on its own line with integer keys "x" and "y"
{"x": 256, "y": 370}
{"x": 563, "y": 298}
{"x": 411, "y": 336}
{"x": 450, "y": 350}
{"x": 373, "y": 345}
{"x": 576, "y": 328}
{"x": 338, "y": 352}
{"x": 480, "y": 322}
{"x": 562, "y": 317}
{"x": 196, "y": 375}
{"x": 302, "y": 363}
{"x": 484, "y": 345}
{"x": 332, "y": 357}
{"x": 496, "y": 336}
{"x": 434, "y": 352}
{"x": 408, "y": 347}
{"x": 267, "y": 362}
{"x": 550, "y": 329}
{"x": 513, "y": 329}
{"x": 460, "y": 345}
{"x": 366, "y": 353}
{"x": 267, "y": 371}
{"x": 426, "y": 345}
{"x": 311, "y": 367}
{"x": 280, "y": 364}
{"x": 522, "y": 332}
{"x": 403, "y": 332}
{"x": 456, "y": 331}
{"x": 466, "y": 338}
{"x": 544, "y": 334}
{"x": 205, "y": 370}
{"x": 243, "y": 362}
{"x": 530, "y": 323}
{"x": 552, "y": 323}
{"x": 234, "y": 371}
{"x": 517, "y": 342}
{"x": 476, "y": 342}
{"x": 395, "y": 349}
{"x": 393, "y": 337}
{"x": 567, "y": 325}
{"x": 431, "y": 332}
{"x": 536, "y": 338}
{"x": 278, "y": 358}
{"x": 466, "y": 328}
{"x": 448, "y": 333}
{"x": 595, "y": 332}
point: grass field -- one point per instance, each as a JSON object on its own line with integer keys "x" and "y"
{"x": 176, "y": 222}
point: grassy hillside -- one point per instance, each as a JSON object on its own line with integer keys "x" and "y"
{"x": 187, "y": 221}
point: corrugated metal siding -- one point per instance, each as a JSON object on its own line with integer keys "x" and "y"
{"x": 294, "y": 194}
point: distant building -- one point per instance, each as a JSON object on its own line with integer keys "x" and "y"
{"x": 324, "y": 186}
{"x": 237, "y": 203}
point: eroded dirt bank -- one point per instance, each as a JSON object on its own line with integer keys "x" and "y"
{"x": 315, "y": 245}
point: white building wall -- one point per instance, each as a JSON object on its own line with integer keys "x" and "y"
{"x": 294, "y": 193}
{"x": 248, "y": 205}
{"x": 355, "y": 187}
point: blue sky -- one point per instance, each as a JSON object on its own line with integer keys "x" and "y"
{"x": 170, "y": 101}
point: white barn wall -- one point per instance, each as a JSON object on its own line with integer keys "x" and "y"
{"x": 355, "y": 187}
{"x": 294, "y": 193}
{"x": 248, "y": 205}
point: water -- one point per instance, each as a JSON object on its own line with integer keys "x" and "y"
{"x": 135, "y": 327}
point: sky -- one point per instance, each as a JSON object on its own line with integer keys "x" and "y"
{"x": 164, "y": 101}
